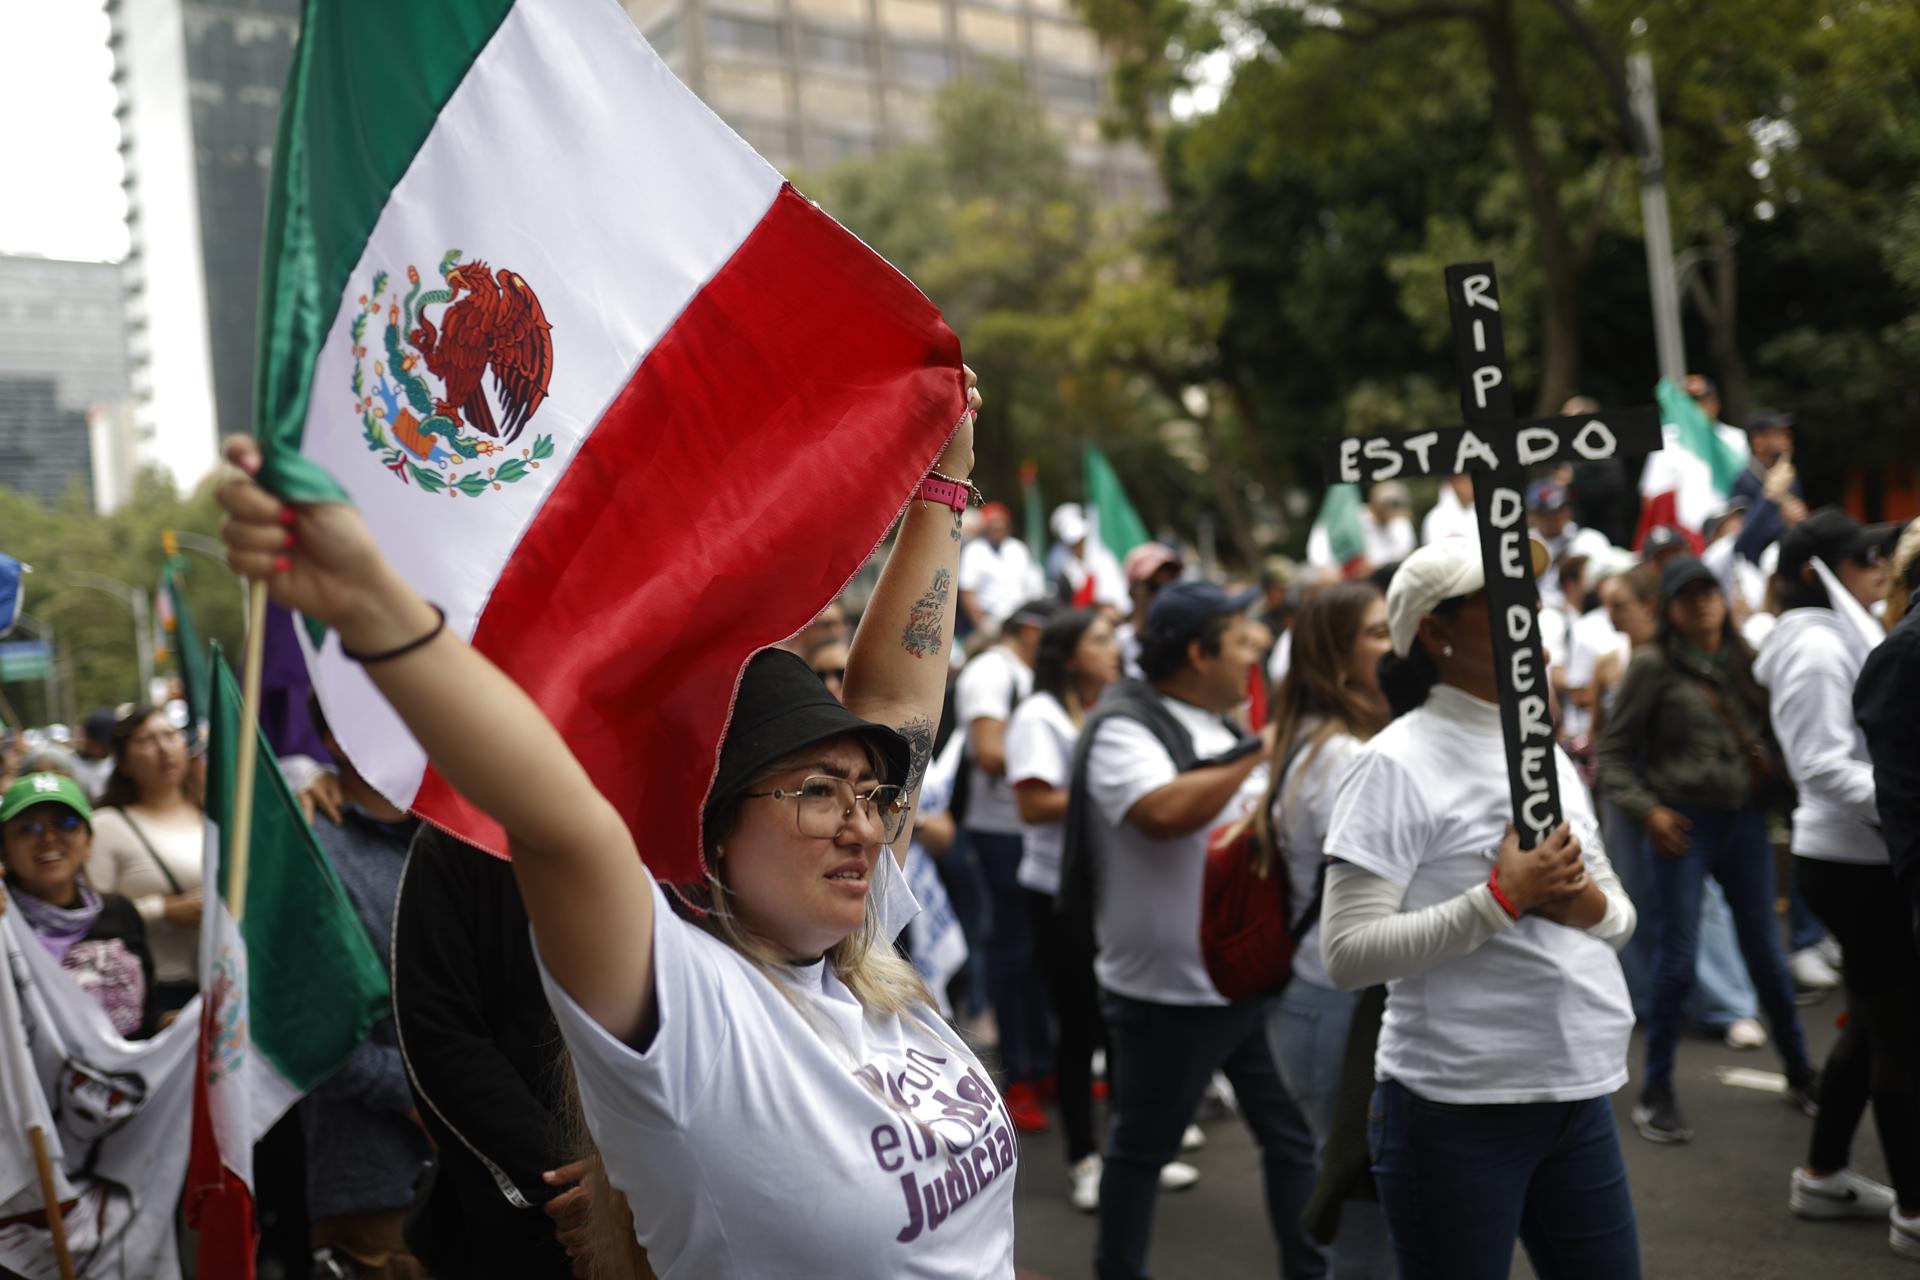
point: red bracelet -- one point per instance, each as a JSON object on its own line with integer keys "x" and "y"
{"x": 1493, "y": 883}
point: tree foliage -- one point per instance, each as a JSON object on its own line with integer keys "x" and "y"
{"x": 1363, "y": 144}
{"x": 96, "y": 663}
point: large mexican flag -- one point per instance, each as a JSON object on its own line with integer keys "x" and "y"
{"x": 1689, "y": 478}
{"x": 609, "y": 391}
{"x": 288, "y": 988}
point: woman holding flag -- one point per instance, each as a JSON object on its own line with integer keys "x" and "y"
{"x": 766, "y": 1081}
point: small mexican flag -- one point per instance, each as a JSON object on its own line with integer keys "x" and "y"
{"x": 1688, "y": 479}
{"x": 1337, "y": 537}
{"x": 287, "y": 991}
{"x": 608, "y": 390}
{"x": 1114, "y": 519}
{"x": 190, "y": 654}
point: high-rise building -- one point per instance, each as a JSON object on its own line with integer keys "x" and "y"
{"x": 62, "y": 358}
{"x": 200, "y": 84}
{"x": 808, "y": 82}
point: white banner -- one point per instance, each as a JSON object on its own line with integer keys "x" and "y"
{"x": 116, "y": 1112}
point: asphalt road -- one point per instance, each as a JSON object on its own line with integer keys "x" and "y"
{"x": 1715, "y": 1209}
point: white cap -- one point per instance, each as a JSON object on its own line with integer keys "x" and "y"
{"x": 1439, "y": 571}
{"x": 1069, "y": 523}
{"x": 1436, "y": 572}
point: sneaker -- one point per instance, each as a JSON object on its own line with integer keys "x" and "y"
{"x": 1746, "y": 1033}
{"x": 1193, "y": 1139}
{"x": 1658, "y": 1118}
{"x": 1838, "y": 1195}
{"x": 1803, "y": 1090}
{"x": 1023, "y": 1105}
{"x": 1083, "y": 1184}
{"x": 1811, "y": 972}
{"x": 1178, "y": 1175}
{"x": 1904, "y": 1234}
{"x": 1829, "y": 949}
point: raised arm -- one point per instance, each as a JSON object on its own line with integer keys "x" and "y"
{"x": 586, "y": 890}
{"x": 897, "y": 668}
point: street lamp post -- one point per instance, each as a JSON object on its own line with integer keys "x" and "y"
{"x": 136, "y": 602}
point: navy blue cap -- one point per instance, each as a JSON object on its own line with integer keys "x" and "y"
{"x": 1182, "y": 608}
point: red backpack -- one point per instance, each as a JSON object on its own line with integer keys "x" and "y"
{"x": 1248, "y": 933}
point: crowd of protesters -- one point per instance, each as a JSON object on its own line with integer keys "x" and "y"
{"x": 586, "y": 1075}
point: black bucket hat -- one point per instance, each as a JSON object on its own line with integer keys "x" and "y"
{"x": 782, "y": 707}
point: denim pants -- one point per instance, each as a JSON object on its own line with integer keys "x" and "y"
{"x": 959, "y": 870}
{"x": 1722, "y": 991}
{"x": 1164, "y": 1055}
{"x": 1460, "y": 1183}
{"x": 1730, "y": 845}
{"x": 1307, "y": 1031}
{"x": 1020, "y": 1005}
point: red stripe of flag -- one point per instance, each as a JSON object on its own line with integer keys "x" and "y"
{"x": 739, "y": 480}
{"x": 219, "y": 1205}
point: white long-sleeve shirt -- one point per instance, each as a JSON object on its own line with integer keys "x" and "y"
{"x": 1809, "y": 663}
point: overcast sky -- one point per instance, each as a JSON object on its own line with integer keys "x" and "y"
{"x": 59, "y": 167}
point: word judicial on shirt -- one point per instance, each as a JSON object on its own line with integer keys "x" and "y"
{"x": 969, "y": 1126}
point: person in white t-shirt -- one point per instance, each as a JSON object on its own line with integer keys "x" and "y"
{"x": 767, "y": 1084}
{"x": 1078, "y": 657}
{"x": 1507, "y": 1019}
{"x": 1452, "y": 516}
{"x": 1080, "y": 564}
{"x": 1328, "y": 705}
{"x": 997, "y": 572}
{"x": 1159, "y": 768}
{"x": 990, "y": 686}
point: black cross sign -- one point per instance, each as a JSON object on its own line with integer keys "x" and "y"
{"x": 1496, "y": 450}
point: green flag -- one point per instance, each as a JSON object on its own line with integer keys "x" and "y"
{"x": 1036, "y": 511}
{"x": 1120, "y": 526}
{"x": 189, "y": 653}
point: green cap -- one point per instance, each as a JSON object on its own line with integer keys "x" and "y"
{"x": 45, "y": 788}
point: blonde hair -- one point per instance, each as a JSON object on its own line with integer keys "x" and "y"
{"x": 1900, "y": 571}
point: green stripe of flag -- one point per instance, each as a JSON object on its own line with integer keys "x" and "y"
{"x": 369, "y": 79}
{"x": 315, "y": 985}
{"x": 1121, "y": 529}
{"x": 190, "y": 655}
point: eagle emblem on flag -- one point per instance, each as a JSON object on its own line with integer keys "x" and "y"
{"x": 428, "y": 411}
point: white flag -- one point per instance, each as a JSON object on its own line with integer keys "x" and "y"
{"x": 116, "y": 1113}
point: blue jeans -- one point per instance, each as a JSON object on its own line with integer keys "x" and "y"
{"x": 959, "y": 871}
{"x": 1722, "y": 991}
{"x": 1164, "y": 1054}
{"x": 1460, "y": 1183}
{"x": 1307, "y": 1031}
{"x": 1020, "y": 1004}
{"x": 1730, "y": 845}
{"x": 1632, "y": 860}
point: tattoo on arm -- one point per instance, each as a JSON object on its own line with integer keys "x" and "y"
{"x": 922, "y": 636}
{"x": 955, "y": 531}
{"x": 918, "y": 731}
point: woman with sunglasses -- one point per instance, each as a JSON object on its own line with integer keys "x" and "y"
{"x": 1810, "y": 662}
{"x": 46, "y": 836}
{"x": 149, "y": 840}
{"x": 766, "y": 1081}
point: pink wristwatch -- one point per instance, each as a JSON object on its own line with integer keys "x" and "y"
{"x": 947, "y": 493}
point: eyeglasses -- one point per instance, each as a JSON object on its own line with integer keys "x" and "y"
{"x": 826, "y": 806}
{"x": 33, "y": 828}
{"x": 831, "y": 673}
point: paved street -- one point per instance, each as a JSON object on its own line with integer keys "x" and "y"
{"x": 1714, "y": 1209}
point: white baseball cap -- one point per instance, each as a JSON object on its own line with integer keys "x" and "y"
{"x": 1069, "y": 523}
{"x": 1437, "y": 572}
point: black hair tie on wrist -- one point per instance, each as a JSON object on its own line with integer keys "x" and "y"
{"x": 368, "y": 659}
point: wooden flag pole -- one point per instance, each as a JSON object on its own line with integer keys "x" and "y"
{"x": 50, "y": 1194}
{"x": 240, "y": 838}
{"x": 49, "y": 1188}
